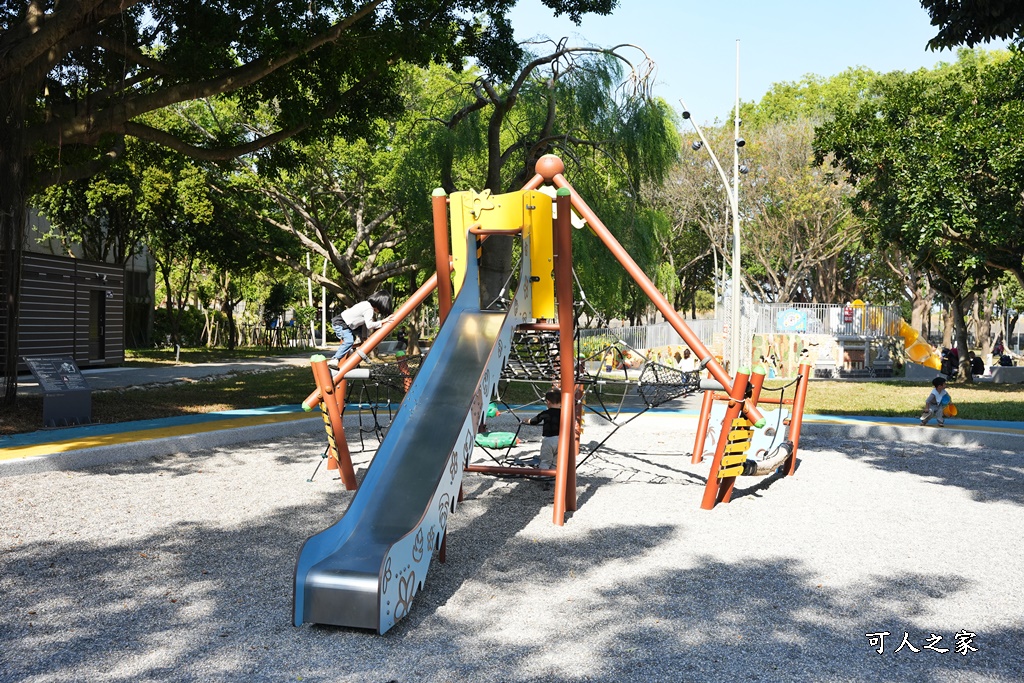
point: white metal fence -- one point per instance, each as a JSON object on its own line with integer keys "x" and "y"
{"x": 867, "y": 322}
{"x": 653, "y": 336}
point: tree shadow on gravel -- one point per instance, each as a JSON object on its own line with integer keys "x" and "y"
{"x": 717, "y": 621}
{"x": 987, "y": 474}
{"x": 206, "y": 601}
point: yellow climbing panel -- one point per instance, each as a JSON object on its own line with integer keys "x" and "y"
{"x": 529, "y": 211}
{"x": 738, "y": 443}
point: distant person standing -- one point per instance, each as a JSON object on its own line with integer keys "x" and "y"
{"x": 686, "y": 362}
{"x": 359, "y": 315}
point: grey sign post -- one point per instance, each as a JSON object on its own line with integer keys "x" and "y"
{"x": 67, "y": 398}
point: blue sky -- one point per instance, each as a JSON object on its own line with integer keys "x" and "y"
{"x": 693, "y": 42}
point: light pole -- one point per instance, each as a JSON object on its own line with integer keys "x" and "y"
{"x": 733, "y": 192}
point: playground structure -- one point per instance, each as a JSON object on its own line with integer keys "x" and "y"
{"x": 365, "y": 570}
{"x": 917, "y": 348}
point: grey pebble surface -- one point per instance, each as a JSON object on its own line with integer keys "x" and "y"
{"x": 180, "y": 568}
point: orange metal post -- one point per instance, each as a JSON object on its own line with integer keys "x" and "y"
{"x": 717, "y": 491}
{"x": 565, "y": 470}
{"x": 322, "y": 374}
{"x": 554, "y": 168}
{"x": 533, "y": 183}
{"x": 353, "y": 359}
{"x": 511, "y": 471}
{"x": 797, "y": 420}
{"x": 756, "y": 384}
{"x": 442, "y": 253}
{"x": 702, "y": 427}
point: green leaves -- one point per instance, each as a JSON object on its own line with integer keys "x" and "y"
{"x": 935, "y": 155}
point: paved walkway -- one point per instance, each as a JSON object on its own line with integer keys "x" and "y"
{"x": 96, "y": 444}
{"x": 100, "y": 379}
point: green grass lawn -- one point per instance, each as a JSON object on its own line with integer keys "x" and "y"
{"x": 290, "y": 386}
{"x": 980, "y": 401}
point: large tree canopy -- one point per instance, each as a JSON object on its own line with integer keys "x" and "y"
{"x": 590, "y": 105}
{"x": 938, "y": 170}
{"x": 79, "y": 75}
{"x": 970, "y": 22}
{"x": 76, "y": 78}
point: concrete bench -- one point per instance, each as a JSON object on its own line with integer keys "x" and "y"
{"x": 1007, "y": 375}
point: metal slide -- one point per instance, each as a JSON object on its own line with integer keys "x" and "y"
{"x": 365, "y": 569}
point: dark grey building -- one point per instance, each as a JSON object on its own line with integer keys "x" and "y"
{"x": 71, "y": 307}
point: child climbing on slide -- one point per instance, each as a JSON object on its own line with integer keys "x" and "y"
{"x": 550, "y": 418}
{"x": 936, "y": 402}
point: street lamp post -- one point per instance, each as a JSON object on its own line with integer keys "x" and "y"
{"x": 732, "y": 190}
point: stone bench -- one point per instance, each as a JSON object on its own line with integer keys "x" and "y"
{"x": 1007, "y": 375}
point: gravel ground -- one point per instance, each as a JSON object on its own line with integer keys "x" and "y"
{"x": 179, "y": 568}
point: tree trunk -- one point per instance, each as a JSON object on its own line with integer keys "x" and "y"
{"x": 12, "y": 227}
{"x": 956, "y": 308}
{"x": 208, "y": 328}
{"x": 984, "y": 340}
{"x": 920, "y": 304}
{"x": 229, "y": 311}
{"x": 948, "y": 324}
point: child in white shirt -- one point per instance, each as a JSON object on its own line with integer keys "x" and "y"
{"x": 935, "y": 403}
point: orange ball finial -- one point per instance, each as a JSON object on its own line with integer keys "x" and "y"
{"x": 549, "y": 166}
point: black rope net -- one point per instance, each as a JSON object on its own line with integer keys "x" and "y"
{"x": 396, "y": 372}
{"x": 383, "y": 390}
{"x": 533, "y": 357}
{"x": 662, "y": 383}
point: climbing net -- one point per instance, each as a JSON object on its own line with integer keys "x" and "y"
{"x": 662, "y": 383}
{"x": 534, "y": 357}
{"x": 383, "y": 389}
{"x": 617, "y": 383}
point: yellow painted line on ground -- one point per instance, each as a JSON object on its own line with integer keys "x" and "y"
{"x": 15, "y": 452}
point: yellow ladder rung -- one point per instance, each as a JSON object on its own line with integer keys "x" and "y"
{"x": 738, "y": 447}
{"x": 730, "y": 472}
{"x": 740, "y": 435}
{"x": 730, "y": 460}
{"x": 741, "y": 422}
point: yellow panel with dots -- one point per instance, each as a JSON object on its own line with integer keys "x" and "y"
{"x": 537, "y": 209}
{"x": 492, "y": 212}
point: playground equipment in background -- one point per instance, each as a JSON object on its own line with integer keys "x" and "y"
{"x": 918, "y": 350}
{"x": 365, "y": 570}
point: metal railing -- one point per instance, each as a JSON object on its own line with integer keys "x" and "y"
{"x": 654, "y": 336}
{"x": 859, "y": 322}
{"x": 832, "y": 319}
